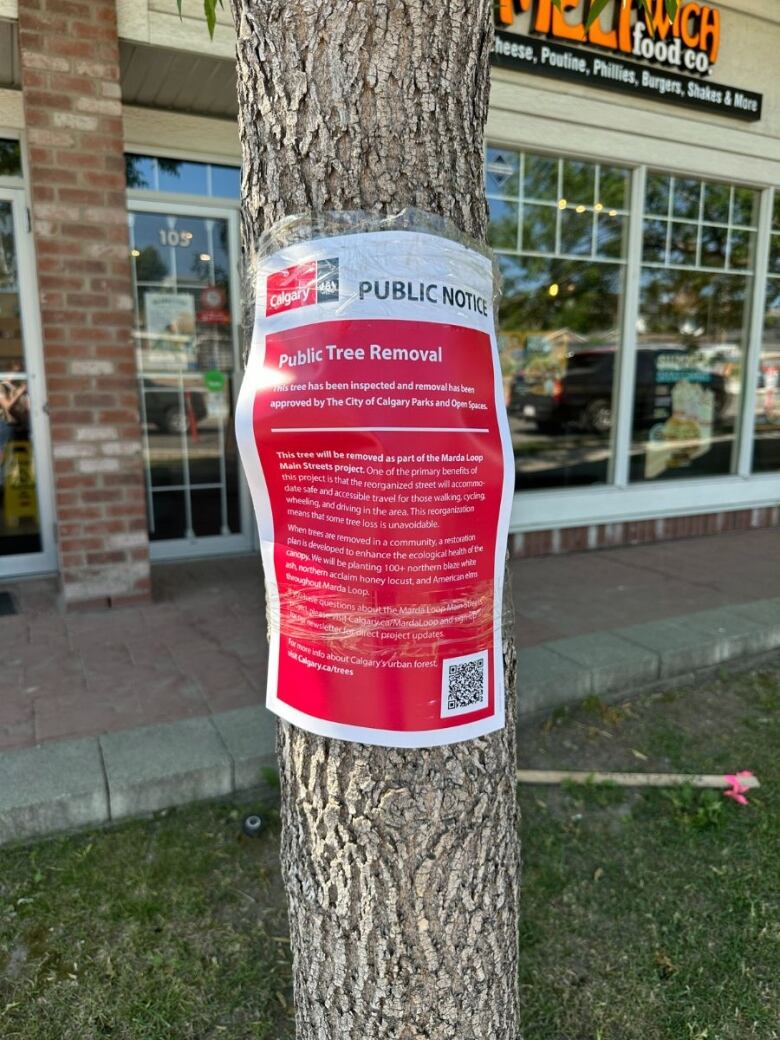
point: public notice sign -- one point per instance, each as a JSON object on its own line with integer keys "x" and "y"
{"x": 372, "y": 428}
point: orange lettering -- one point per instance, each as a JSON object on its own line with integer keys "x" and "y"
{"x": 689, "y": 36}
{"x": 659, "y": 21}
{"x": 624, "y": 27}
{"x": 506, "y": 12}
{"x": 602, "y": 39}
{"x": 543, "y": 16}
{"x": 507, "y": 8}
{"x": 709, "y": 38}
{"x": 561, "y": 27}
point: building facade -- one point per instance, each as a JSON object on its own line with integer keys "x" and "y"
{"x": 633, "y": 178}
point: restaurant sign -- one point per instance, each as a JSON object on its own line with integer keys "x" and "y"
{"x": 679, "y": 53}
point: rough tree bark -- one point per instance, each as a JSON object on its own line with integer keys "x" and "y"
{"x": 401, "y": 866}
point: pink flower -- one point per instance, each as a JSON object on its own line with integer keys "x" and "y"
{"x": 737, "y": 789}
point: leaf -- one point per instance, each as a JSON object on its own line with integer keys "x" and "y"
{"x": 210, "y": 8}
{"x": 178, "y": 4}
{"x": 595, "y": 10}
{"x": 672, "y": 7}
{"x": 649, "y": 13}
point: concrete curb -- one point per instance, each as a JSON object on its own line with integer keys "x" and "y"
{"x": 63, "y": 785}
{"x": 625, "y": 660}
{"x": 67, "y": 784}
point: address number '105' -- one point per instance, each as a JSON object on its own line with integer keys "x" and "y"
{"x": 172, "y": 237}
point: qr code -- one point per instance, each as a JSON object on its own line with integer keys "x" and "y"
{"x": 464, "y": 685}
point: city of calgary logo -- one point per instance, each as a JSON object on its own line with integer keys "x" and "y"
{"x": 316, "y": 281}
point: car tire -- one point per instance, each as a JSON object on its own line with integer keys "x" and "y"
{"x": 175, "y": 420}
{"x": 598, "y": 417}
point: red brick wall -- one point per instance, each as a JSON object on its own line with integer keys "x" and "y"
{"x": 638, "y": 532}
{"x": 70, "y": 82}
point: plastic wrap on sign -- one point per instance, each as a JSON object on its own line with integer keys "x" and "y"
{"x": 372, "y": 429}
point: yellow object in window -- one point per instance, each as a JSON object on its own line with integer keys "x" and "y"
{"x": 19, "y": 501}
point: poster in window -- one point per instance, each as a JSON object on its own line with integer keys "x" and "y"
{"x": 686, "y": 393}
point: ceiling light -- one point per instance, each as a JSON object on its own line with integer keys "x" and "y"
{"x": 599, "y": 207}
{"x": 580, "y": 209}
{"x": 205, "y": 256}
{"x": 553, "y": 290}
{"x": 561, "y": 203}
{"x": 135, "y": 252}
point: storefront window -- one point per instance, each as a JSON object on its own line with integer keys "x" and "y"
{"x": 10, "y": 159}
{"x": 180, "y": 177}
{"x": 559, "y": 228}
{"x": 692, "y": 332}
{"x": 766, "y": 450}
{"x": 19, "y": 512}
{"x": 185, "y": 358}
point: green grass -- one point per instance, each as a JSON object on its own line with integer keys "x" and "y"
{"x": 656, "y": 915}
{"x": 645, "y": 915}
{"x": 167, "y": 928}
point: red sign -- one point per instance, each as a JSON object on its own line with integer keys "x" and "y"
{"x": 376, "y": 447}
{"x": 212, "y": 306}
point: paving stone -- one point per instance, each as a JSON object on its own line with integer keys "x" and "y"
{"x": 546, "y": 680}
{"x": 614, "y": 664}
{"x": 14, "y": 628}
{"x": 155, "y": 767}
{"x": 15, "y": 706}
{"x": 105, "y": 658}
{"x": 249, "y": 735}
{"x": 242, "y": 694}
{"x": 52, "y": 787}
{"x": 183, "y": 699}
{"x": 17, "y": 734}
{"x": 213, "y": 669}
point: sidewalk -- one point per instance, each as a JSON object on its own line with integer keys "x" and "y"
{"x": 603, "y": 622}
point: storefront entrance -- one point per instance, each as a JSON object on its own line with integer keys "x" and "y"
{"x": 26, "y": 529}
{"x": 185, "y": 272}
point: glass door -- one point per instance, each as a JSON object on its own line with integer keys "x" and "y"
{"x": 185, "y": 272}
{"x": 26, "y": 530}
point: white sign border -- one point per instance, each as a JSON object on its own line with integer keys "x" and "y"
{"x": 244, "y": 423}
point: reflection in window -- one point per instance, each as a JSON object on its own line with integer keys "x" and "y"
{"x": 19, "y": 516}
{"x": 185, "y": 360}
{"x": 559, "y": 228}
{"x": 699, "y": 242}
{"x": 177, "y": 176}
{"x": 10, "y": 159}
{"x": 766, "y": 445}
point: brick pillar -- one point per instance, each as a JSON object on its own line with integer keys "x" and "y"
{"x": 73, "y": 113}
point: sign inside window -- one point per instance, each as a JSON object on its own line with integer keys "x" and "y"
{"x": 172, "y": 237}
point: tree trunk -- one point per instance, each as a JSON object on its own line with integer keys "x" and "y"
{"x": 401, "y": 866}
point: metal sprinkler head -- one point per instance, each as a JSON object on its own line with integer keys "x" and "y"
{"x": 253, "y": 825}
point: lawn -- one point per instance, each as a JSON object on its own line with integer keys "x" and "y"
{"x": 646, "y": 915}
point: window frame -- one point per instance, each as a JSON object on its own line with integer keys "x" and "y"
{"x": 618, "y": 501}
{"x": 519, "y": 200}
{"x": 747, "y": 416}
